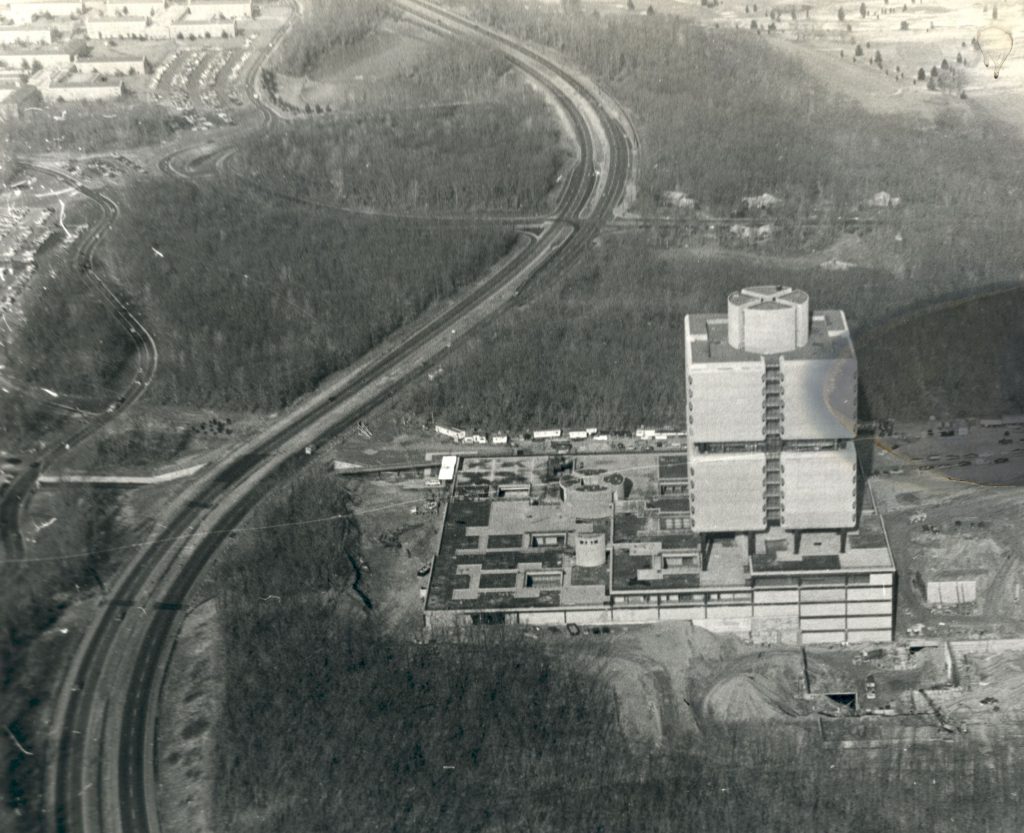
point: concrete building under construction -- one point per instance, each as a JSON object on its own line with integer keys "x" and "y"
{"x": 759, "y": 528}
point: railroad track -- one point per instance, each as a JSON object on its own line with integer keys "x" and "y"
{"x": 102, "y": 762}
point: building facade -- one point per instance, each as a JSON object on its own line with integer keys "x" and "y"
{"x": 133, "y": 8}
{"x": 97, "y": 89}
{"x": 112, "y": 66}
{"x": 187, "y": 27}
{"x": 756, "y": 528}
{"x": 771, "y": 395}
{"x": 104, "y": 27}
{"x": 23, "y": 11}
{"x": 27, "y": 59}
{"x": 28, "y": 35}
{"x": 228, "y": 9}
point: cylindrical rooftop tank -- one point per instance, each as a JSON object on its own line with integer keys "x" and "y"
{"x": 589, "y": 549}
{"x": 769, "y": 319}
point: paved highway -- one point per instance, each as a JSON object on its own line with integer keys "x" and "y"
{"x": 101, "y": 756}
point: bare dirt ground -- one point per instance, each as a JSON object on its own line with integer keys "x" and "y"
{"x": 205, "y": 435}
{"x": 190, "y": 704}
{"x": 943, "y": 529}
{"x": 654, "y": 671}
{"x": 400, "y": 525}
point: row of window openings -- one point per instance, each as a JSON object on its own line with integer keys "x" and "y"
{"x": 760, "y": 446}
{"x": 769, "y": 473}
{"x": 778, "y": 505}
{"x": 770, "y": 399}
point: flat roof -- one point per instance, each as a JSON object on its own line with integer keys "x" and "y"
{"x": 708, "y": 339}
{"x": 866, "y": 549}
{"x": 672, "y": 467}
{"x": 110, "y": 59}
{"x": 508, "y": 540}
{"x": 487, "y": 558}
{"x": 41, "y": 49}
{"x": 73, "y": 82}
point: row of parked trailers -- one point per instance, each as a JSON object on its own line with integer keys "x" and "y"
{"x": 461, "y": 436}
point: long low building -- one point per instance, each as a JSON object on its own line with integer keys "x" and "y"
{"x": 28, "y": 58}
{"x": 30, "y": 34}
{"x": 88, "y": 88}
{"x": 229, "y": 9}
{"x": 190, "y": 28}
{"x": 103, "y": 27}
{"x": 134, "y": 8}
{"x": 24, "y": 11}
{"x": 111, "y": 66}
{"x": 610, "y": 540}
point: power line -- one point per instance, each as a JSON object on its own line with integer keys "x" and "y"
{"x": 187, "y": 535}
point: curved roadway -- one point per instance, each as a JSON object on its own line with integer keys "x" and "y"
{"x": 18, "y": 493}
{"x": 102, "y": 762}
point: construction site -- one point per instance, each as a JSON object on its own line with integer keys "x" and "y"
{"x": 754, "y": 610}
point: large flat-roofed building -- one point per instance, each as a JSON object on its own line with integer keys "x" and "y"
{"x": 229, "y": 9}
{"x": 757, "y": 529}
{"x": 24, "y": 11}
{"x": 188, "y": 27}
{"x": 134, "y": 8}
{"x": 104, "y": 27}
{"x": 30, "y": 34}
{"x": 610, "y": 539}
{"x": 113, "y": 65}
{"x": 29, "y": 58}
{"x": 83, "y": 88}
{"x": 771, "y": 415}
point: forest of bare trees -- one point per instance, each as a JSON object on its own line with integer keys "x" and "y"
{"x": 257, "y": 299}
{"x": 331, "y": 720}
{"x": 457, "y": 132}
{"x": 722, "y": 115}
{"x": 87, "y": 128}
{"x": 329, "y": 28}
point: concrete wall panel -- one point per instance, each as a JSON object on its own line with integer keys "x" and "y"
{"x": 820, "y": 398}
{"x": 823, "y": 609}
{"x": 822, "y": 637}
{"x": 870, "y": 636}
{"x": 727, "y": 492}
{"x": 831, "y": 624}
{"x": 725, "y": 402}
{"x": 868, "y": 623}
{"x": 819, "y": 489}
{"x": 869, "y": 608}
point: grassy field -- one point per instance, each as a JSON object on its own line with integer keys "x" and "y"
{"x": 457, "y": 131}
{"x": 256, "y": 300}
